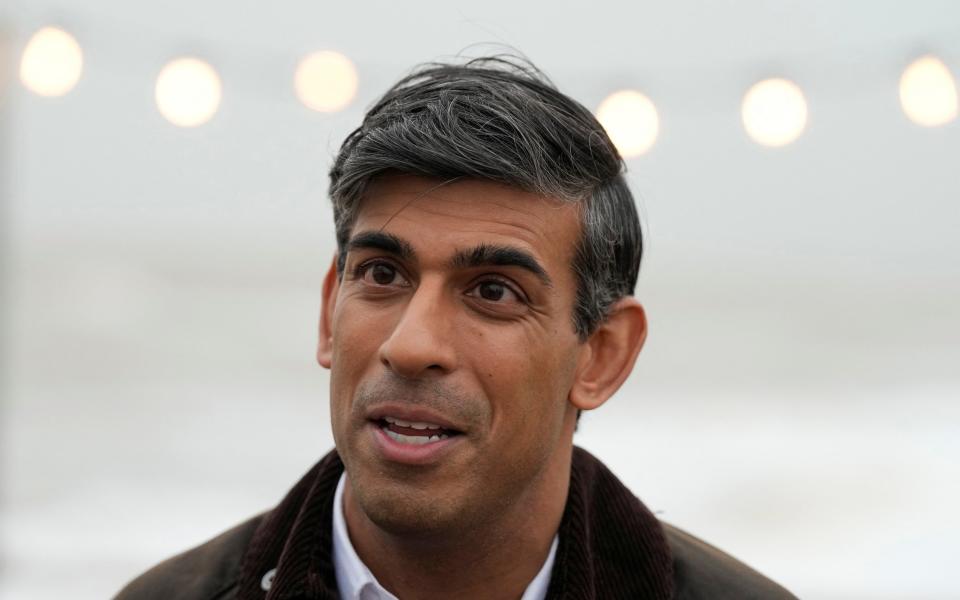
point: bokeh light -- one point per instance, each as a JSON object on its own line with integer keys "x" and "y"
{"x": 774, "y": 112}
{"x": 631, "y": 121}
{"x": 325, "y": 81}
{"x": 928, "y": 92}
{"x": 52, "y": 62}
{"x": 188, "y": 92}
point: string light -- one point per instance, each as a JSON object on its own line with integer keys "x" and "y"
{"x": 52, "y": 62}
{"x": 774, "y": 112}
{"x": 188, "y": 92}
{"x": 631, "y": 121}
{"x": 928, "y": 92}
{"x": 325, "y": 81}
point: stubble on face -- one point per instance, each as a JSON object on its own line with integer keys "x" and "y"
{"x": 398, "y": 498}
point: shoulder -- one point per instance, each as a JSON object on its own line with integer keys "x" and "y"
{"x": 702, "y": 571}
{"x": 207, "y": 572}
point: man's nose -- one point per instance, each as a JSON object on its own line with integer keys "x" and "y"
{"x": 421, "y": 343}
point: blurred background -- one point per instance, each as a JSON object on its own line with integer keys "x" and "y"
{"x": 165, "y": 229}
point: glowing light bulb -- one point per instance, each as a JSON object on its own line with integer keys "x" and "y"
{"x": 325, "y": 81}
{"x": 631, "y": 121}
{"x": 52, "y": 62}
{"x": 928, "y": 92}
{"x": 774, "y": 112}
{"x": 188, "y": 92}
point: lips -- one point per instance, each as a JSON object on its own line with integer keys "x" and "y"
{"x": 412, "y": 435}
{"x": 414, "y": 420}
{"x": 413, "y": 432}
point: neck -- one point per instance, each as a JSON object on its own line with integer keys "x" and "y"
{"x": 497, "y": 559}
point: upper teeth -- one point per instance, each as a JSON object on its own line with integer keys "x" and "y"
{"x": 411, "y": 424}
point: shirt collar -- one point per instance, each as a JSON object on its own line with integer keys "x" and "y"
{"x": 537, "y": 590}
{"x": 356, "y": 582}
{"x": 353, "y": 577}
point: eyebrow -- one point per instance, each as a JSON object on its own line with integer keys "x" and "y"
{"x": 380, "y": 240}
{"x": 483, "y": 255}
{"x": 491, "y": 255}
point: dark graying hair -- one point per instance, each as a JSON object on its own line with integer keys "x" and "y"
{"x": 500, "y": 119}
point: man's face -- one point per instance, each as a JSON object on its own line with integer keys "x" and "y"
{"x": 452, "y": 350}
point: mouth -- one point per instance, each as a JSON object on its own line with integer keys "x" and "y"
{"x": 416, "y": 433}
{"x": 413, "y": 439}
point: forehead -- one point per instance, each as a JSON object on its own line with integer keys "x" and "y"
{"x": 431, "y": 213}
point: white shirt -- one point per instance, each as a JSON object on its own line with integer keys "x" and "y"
{"x": 356, "y": 582}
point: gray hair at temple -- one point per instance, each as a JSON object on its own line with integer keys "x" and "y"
{"x": 500, "y": 119}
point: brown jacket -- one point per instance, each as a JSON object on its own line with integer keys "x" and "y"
{"x": 611, "y": 547}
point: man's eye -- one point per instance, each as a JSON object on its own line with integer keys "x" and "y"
{"x": 494, "y": 291}
{"x": 381, "y": 273}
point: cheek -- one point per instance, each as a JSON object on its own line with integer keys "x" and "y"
{"x": 357, "y": 332}
{"x": 357, "y": 337}
{"x": 527, "y": 377}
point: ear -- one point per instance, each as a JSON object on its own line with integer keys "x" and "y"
{"x": 608, "y": 355}
{"x": 331, "y": 286}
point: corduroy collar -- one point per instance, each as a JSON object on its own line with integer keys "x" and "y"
{"x": 611, "y": 545}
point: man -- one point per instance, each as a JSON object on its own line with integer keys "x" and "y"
{"x": 480, "y": 299}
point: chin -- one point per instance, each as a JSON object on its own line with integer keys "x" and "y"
{"x": 398, "y": 510}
